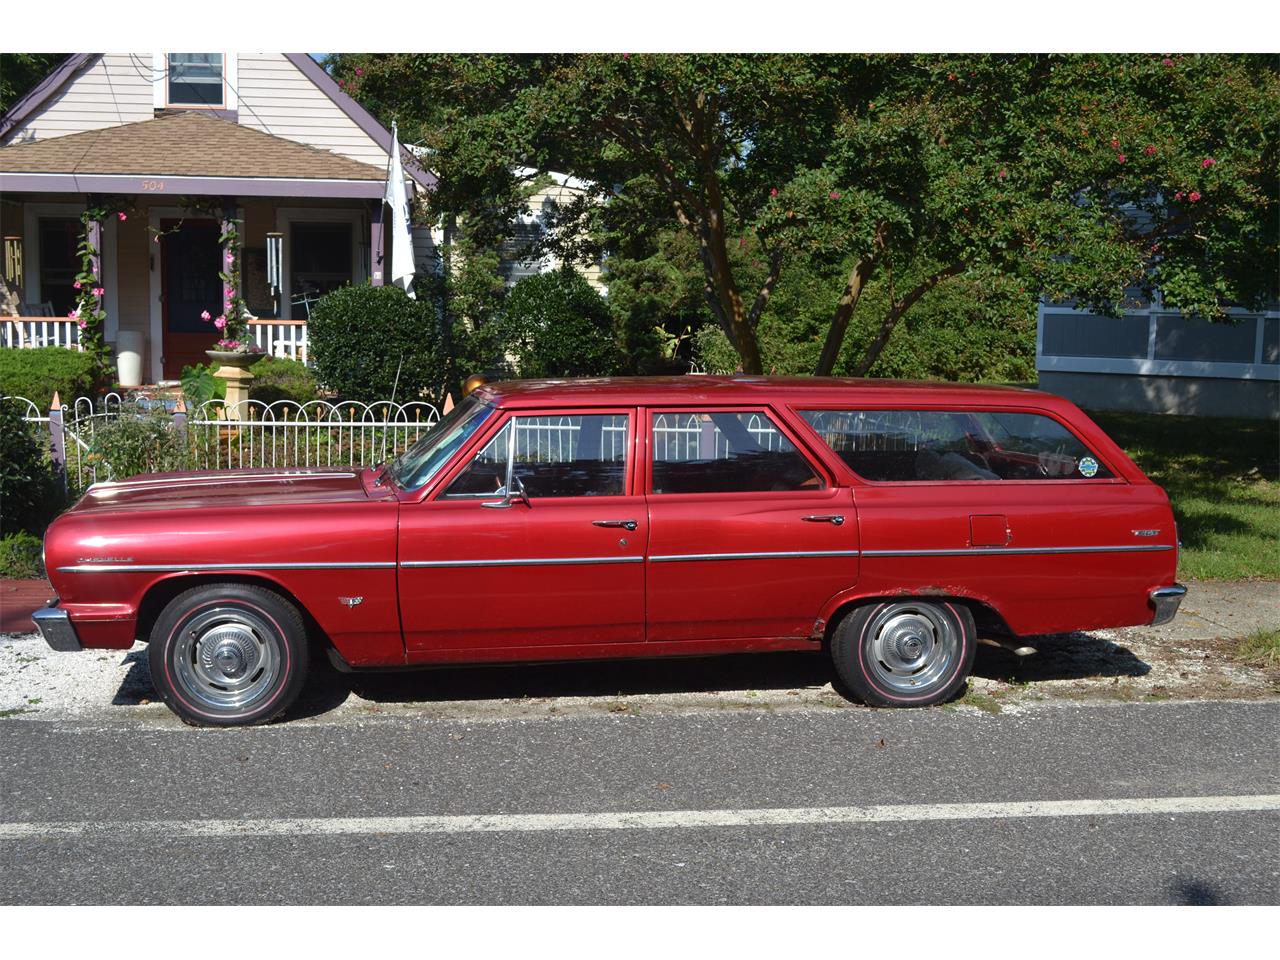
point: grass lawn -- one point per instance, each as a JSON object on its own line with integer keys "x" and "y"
{"x": 1223, "y": 477}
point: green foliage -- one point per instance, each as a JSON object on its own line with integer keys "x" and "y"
{"x": 557, "y": 325}
{"x": 19, "y": 72}
{"x": 20, "y": 557}
{"x": 137, "y": 441}
{"x": 30, "y": 492}
{"x": 467, "y": 293}
{"x": 363, "y": 336}
{"x": 199, "y": 385}
{"x": 38, "y": 374}
{"x": 278, "y": 378}
{"x": 1075, "y": 175}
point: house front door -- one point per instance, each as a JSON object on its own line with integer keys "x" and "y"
{"x": 191, "y": 258}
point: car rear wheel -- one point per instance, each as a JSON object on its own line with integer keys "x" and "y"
{"x": 228, "y": 654}
{"x": 904, "y": 653}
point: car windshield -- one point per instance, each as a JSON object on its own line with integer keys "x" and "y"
{"x": 423, "y": 460}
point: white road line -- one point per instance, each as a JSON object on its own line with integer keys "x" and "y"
{"x": 637, "y": 819}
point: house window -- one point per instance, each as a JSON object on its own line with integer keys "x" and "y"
{"x": 195, "y": 80}
{"x": 517, "y": 259}
{"x": 320, "y": 260}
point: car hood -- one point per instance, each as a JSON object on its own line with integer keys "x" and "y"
{"x": 226, "y": 489}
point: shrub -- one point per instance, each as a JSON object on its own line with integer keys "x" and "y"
{"x": 20, "y": 556}
{"x": 38, "y": 374}
{"x": 199, "y": 385}
{"x": 30, "y": 492}
{"x": 557, "y": 325}
{"x": 361, "y": 336}
{"x": 137, "y": 441}
{"x": 280, "y": 379}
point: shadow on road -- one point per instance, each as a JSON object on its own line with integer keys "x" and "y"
{"x": 1065, "y": 657}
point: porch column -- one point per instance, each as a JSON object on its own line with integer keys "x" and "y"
{"x": 376, "y": 251}
{"x": 93, "y": 235}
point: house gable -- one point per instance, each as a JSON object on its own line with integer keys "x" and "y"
{"x": 88, "y": 92}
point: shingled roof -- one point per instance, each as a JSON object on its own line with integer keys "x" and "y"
{"x": 188, "y": 144}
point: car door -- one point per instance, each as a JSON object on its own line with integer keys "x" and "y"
{"x": 749, "y": 536}
{"x": 558, "y": 564}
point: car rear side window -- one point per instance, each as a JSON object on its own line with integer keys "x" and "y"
{"x": 553, "y": 456}
{"x": 726, "y": 452}
{"x": 932, "y": 445}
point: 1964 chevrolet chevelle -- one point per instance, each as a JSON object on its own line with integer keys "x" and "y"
{"x": 549, "y": 520}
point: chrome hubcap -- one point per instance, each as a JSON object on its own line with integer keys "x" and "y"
{"x": 227, "y": 658}
{"x": 911, "y": 647}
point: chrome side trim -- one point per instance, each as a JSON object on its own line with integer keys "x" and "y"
{"x": 201, "y": 567}
{"x": 522, "y": 562}
{"x": 778, "y": 555}
{"x": 1011, "y": 551}
{"x": 1166, "y": 601}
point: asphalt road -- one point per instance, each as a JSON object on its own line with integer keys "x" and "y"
{"x": 810, "y": 806}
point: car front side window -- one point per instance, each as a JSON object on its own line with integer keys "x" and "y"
{"x": 561, "y": 455}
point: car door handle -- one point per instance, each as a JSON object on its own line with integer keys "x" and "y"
{"x": 629, "y": 524}
{"x": 835, "y": 518}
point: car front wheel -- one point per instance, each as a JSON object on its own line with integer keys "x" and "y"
{"x": 228, "y": 655}
{"x": 904, "y": 653}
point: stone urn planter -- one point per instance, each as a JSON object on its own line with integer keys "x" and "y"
{"x": 235, "y": 370}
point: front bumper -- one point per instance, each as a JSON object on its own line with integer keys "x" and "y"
{"x": 56, "y": 628}
{"x": 1166, "y": 601}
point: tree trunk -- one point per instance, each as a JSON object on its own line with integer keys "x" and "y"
{"x": 895, "y": 313}
{"x": 858, "y": 277}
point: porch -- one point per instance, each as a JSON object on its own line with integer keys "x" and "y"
{"x": 306, "y": 222}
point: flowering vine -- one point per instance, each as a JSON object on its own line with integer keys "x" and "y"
{"x": 232, "y": 321}
{"x": 89, "y": 312}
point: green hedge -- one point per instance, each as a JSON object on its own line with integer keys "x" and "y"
{"x": 361, "y": 336}
{"x": 37, "y": 374}
{"x": 30, "y": 493}
{"x": 557, "y": 325}
{"x": 276, "y": 378}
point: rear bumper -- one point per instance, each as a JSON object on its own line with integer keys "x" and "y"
{"x": 55, "y": 626}
{"x": 1165, "y": 600}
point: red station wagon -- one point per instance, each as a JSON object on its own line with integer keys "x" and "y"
{"x": 555, "y": 520}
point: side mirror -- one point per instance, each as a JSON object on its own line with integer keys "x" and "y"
{"x": 515, "y": 493}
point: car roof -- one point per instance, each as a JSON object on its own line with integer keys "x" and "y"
{"x": 750, "y": 390}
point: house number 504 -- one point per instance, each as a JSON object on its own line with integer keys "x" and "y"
{"x": 152, "y": 185}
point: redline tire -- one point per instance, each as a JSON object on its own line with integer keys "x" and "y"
{"x": 905, "y": 653}
{"x": 228, "y": 655}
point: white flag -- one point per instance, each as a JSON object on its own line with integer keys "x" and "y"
{"x": 402, "y": 269}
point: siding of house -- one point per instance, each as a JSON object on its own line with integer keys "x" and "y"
{"x": 113, "y": 89}
{"x": 277, "y": 98}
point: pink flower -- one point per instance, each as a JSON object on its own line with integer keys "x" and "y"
{"x": 1149, "y": 150}
{"x": 626, "y": 56}
{"x": 1193, "y": 196}
{"x": 220, "y": 323}
{"x": 1120, "y": 157}
{"x": 74, "y": 314}
{"x": 82, "y": 324}
{"x": 231, "y": 256}
{"x": 773, "y": 192}
{"x": 1179, "y": 195}
{"x": 834, "y": 195}
{"x": 122, "y": 215}
{"x": 1003, "y": 173}
{"x": 204, "y": 315}
{"x": 98, "y": 291}
{"x": 951, "y": 76}
{"x": 1207, "y": 162}
{"x": 1115, "y": 143}
{"x": 1167, "y": 62}
{"x": 742, "y": 242}
{"x": 359, "y": 72}
{"x": 76, "y": 284}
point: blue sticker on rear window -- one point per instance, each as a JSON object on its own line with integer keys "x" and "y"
{"x": 1088, "y": 466}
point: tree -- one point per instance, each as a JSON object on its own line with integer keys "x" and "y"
{"x": 19, "y": 72}
{"x": 557, "y": 325}
{"x": 1080, "y": 176}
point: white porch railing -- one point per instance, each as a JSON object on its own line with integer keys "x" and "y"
{"x": 31, "y": 332}
{"x": 279, "y": 338}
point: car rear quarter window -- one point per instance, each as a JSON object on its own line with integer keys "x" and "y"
{"x": 726, "y": 452}
{"x": 934, "y": 445}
